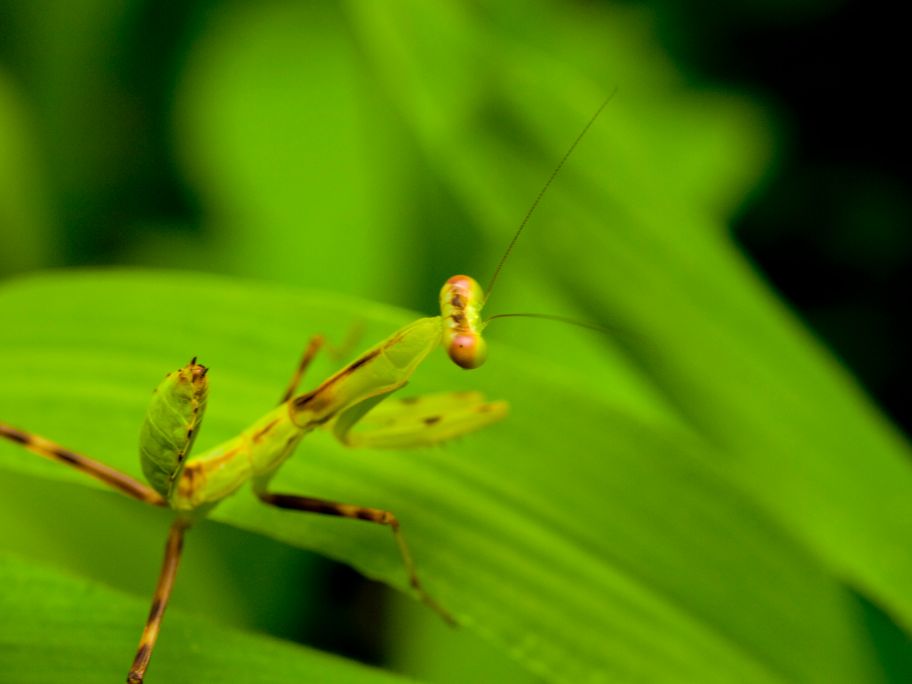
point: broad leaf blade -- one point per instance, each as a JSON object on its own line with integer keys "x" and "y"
{"x": 634, "y": 236}
{"x": 100, "y": 628}
{"x": 586, "y": 540}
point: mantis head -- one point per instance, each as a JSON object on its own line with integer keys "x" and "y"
{"x": 461, "y": 299}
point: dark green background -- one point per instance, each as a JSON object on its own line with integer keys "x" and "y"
{"x": 295, "y": 143}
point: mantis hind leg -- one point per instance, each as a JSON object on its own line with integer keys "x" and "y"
{"x": 111, "y": 477}
{"x": 173, "y": 548}
{"x": 374, "y": 515}
{"x": 316, "y": 342}
{"x": 424, "y": 420}
{"x": 339, "y": 353}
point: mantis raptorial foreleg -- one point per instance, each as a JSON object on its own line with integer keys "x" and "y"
{"x": 422, "y": 420}
{"x": 379, "y": 516}
{"x": 173, "y": 548}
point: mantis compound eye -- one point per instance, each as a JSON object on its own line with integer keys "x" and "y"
{"x": 461, "y": 299}
{"x": 467, "y": 351}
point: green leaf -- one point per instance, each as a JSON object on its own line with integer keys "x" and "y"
{"x": 24, "y": 221}
{"x": 57, "y": 628}
{"x": 633, "y": 235}
{"x": 588, "y": 539}
{"x": 311, "y": 169}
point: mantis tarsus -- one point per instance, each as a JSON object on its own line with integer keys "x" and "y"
{"x": 353, "y": 403}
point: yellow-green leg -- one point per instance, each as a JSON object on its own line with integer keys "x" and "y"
{"x": 111, "y": 477}
{"x": 173, "y": 549}
{"x": 374, "y": 515}
{"x": 309, "y": 353}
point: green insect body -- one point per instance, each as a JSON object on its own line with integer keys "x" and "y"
{"x": 339, "y": 403}
{"x": 171, "y": 425}
{"x": 354, "y": 403}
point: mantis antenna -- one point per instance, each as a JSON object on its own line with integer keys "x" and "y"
{"x": 461, "y": 298}
{"x": 551, "y": 317}
{"x": 541, "y": 193}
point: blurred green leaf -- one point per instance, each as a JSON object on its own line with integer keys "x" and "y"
{"x": 276, "y": 124}
{"x": 57, "y": 628}
{"x": 696, "y": 499}
{"x": 633, "y": 236}
{"x": 587, "y": 540}
{"x": 24, "y": 223}
{"x": 231, "y": 577}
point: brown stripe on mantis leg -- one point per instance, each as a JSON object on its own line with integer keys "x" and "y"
{"x": 173, "y": 548}
{"x": 111, "y": 477}
{"x": 374, "y": 515}
{"x": 312, "y": 348}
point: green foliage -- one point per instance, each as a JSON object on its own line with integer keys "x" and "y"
{"x": 23, "y": 218}
{"x": 38, "y": 603}
{"x": 705, "y": 496}
{"x": 575, "y": 535}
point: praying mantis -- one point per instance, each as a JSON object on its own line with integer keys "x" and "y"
{"x": 354, "y": 403}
